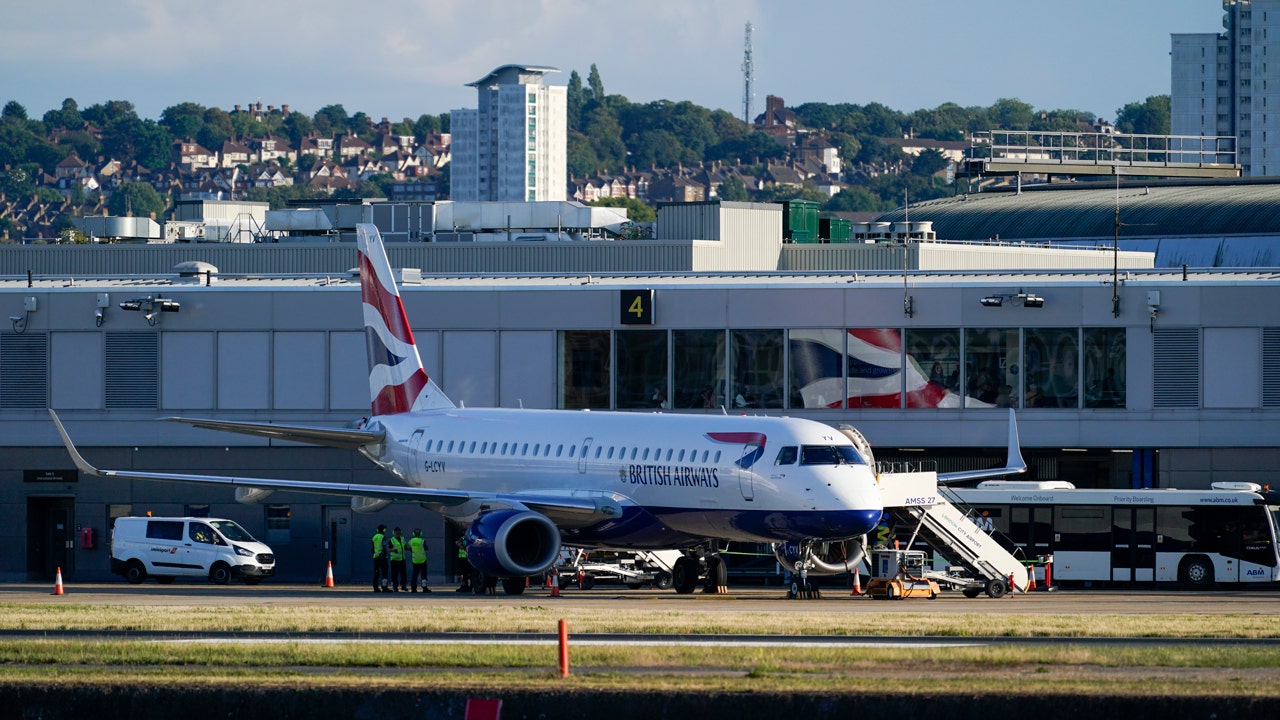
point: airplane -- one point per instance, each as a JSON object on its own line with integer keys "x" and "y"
{"x": 522, "y": 482}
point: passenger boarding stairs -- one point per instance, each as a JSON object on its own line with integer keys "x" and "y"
{"x": 914, "y": 499}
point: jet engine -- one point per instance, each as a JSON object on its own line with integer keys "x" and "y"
{"x": 829, "y": 558}
{"x": 512, "y": 543}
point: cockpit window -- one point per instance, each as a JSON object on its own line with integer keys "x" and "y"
{"x": 786, "y": 456}
{"x": 830, "y": 455}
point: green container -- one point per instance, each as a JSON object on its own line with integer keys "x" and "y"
{"x": 834, "y": 229}
{"x": 800, "y": 221}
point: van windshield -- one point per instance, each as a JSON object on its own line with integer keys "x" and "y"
{"x": 232, "y": 531}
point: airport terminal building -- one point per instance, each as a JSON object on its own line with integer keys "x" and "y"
{"x": 1132, "y": 377}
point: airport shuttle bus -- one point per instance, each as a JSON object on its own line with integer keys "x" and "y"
{"x": 1226, "y": 534}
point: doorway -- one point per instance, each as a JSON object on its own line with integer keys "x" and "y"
{"x": 50, "y": 537}
{"x": 335, "y": 532}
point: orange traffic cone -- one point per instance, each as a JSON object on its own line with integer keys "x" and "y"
{"x": 857, "y": 582}
{"x": 555, "y": 584}
{"x": 57, "y": 582}
{"x": 328, "y": 575}
{"x": 1031, "y": 584}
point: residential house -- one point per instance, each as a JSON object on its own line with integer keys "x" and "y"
{"x": 191, "y": 156}
{"x": 351, "y": 146}
{"x": 233, "y": 154}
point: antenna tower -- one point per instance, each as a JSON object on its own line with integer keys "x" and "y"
{"x": 748, "y": 77}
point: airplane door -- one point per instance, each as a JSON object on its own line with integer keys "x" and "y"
{"x": 415, "y": 447}
{"x": 745, "y": 479}
{"x": 582, "y": 457}
{"x": 335, "y": 540}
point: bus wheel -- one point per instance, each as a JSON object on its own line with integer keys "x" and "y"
{"x": 1196, "y": 572}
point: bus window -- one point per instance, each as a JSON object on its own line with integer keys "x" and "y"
{"x": 1083, "y": 528}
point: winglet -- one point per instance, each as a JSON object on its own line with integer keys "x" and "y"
{"x": 76, "y": 457}
{"x": 1015, "y": 463}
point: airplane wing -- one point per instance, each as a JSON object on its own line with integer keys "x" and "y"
{"x": 345, "y": 438}
{"x": 581, "y": 508}
{"x": 1014, "y": 465}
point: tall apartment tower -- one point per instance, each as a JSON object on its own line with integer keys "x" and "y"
{"x": 1221, "y": 83}
{"x": 512, "y": 147}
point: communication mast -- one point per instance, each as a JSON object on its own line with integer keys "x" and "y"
{"x": 748, "y": 76}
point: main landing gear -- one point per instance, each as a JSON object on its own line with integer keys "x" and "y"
{"x": 700, "y": 565}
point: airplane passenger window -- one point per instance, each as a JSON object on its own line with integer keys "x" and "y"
{"x": 717, "y": 456}
{"x": 504, "y": 449}
{"x": 535, "y": 449}
{"x": 546, "y": 450}
{"x": 646, "y": 454}
{"x": 572, "y": 448}
{"x": 600, "y": 449}
{"x": 484, "y": 448}
{"x": 680, "y": 457}
{"x": 525, "y": 449}
{"x": 559, "y": 450}
{"x": 786, "y": 456}
{"x": 610, "y": 453}
{"x": 668, "y": 455}
{"x": 473, "y": 447}
{"x": 705, "y": 453}
{"x": 450, "y": 446}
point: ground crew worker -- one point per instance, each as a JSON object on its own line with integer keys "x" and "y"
{"x": 380, "y": 560}
{"x": 464, "y": 568}
{"x": 396, "y": 555}
{"x": 418, "y": 556}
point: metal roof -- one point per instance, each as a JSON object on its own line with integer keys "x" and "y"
{"x": 1157, "y": 209}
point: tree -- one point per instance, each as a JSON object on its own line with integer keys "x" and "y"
{"x": 184, "y": 120}
{"x": 426, "y": 126}
{"x": 658, "y": 148}
{"x": 1011, "y": 114}
{"x": 217, "y": 129}
{"x": 574, "y": 98}
{"x": 1150, "y": 117}
{"x": 581, "y": 158}
{"x": 13, "y": 110}
{"x": 853, "y": 199}
{"x": 110, "y": 113}
{"x": 296, "y": 127}
{"x": 929, "y": 162}
{"x": 152, "y": 145}
{"x": 67, "y": 117}
{"x": 136, "y": 199}
{"x": 330, "y": 119}
{"x": 605, "y": 135}
{"x": 596, "y": 85}
{"x": 754, "y": 147}
{"x": 733, "y": 190}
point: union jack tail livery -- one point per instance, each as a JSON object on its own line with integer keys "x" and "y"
{"x": 397, "y": 381}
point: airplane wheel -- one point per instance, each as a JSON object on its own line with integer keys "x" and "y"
{"x": 684, "y": 576}
{"x": 793, "y": 592}
{"x": 513, "y": 585}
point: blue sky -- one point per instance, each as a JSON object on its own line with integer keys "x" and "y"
{"x": 402, "y": 58}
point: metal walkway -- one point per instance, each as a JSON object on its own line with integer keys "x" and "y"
{"x": 1012, "y": 152}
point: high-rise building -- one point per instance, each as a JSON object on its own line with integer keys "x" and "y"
{"x": 512, "y": 147}
{"x": 1221, "y": 83}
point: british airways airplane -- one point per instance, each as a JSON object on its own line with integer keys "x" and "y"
{"x": 523, "y": 482}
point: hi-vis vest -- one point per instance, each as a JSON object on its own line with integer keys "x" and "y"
{"x": 378, "y": 544}
{"x": 397, "y": 549}
{"x": 418, "y": 550}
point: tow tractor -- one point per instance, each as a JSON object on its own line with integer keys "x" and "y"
{"x": 633, "y": 569}
{"x": 901, "y": 574}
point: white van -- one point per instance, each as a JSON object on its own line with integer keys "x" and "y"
{"x": 165, "y": 548}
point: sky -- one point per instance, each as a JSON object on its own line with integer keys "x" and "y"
{"x": 404, "y": 58}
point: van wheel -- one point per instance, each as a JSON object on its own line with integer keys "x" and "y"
{"x": 164, "y": 579}
{"x": 220, "y": 574}
{"x": 134, "y": 572}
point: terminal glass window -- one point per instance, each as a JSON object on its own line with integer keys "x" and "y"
{"x": 1053, "y": 368}
{"x": 1104, "y": 367}
{"x": 933, "y": 368}
{"x": 873, "y": 364}
{"x": 698, "y": 364}
{"x": 817, "y": 373}
{"x": 642, "y": 369}
{"x": 755, "y": 367}
{"x": 278, "y": 517}
{"x": 584, "y": 369}
{"x": 992, "y": 372}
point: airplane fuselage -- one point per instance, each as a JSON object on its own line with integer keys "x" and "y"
{"x": 676, "y": 479}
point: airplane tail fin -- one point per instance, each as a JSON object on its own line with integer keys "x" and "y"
{"x": 397, "y": 380}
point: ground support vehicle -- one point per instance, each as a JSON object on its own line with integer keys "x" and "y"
{"x": 900, "y": 574}
{"x": 633, "y": 569}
